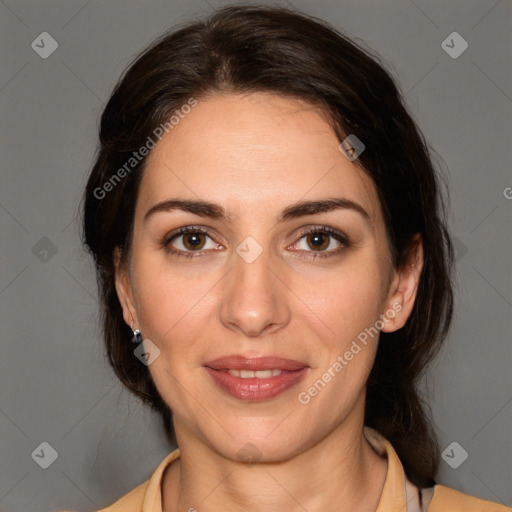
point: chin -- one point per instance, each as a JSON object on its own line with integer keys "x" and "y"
{"x": 258, "y": 444}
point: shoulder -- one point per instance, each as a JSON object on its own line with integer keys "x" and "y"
{"x": 147, "y": 496}
{"x": 446, "y": 498}
{"x": 130, "y": 502}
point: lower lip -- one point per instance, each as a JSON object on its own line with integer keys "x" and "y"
{"x": 254, "y": 388}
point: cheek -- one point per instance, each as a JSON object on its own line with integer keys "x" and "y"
{"x": 349, "y": 307}
{"x": 171, "y": 309}
{"x": 172, "y": 305}
{"x": 165, "y": 306}
{"x": 347, "y": 301}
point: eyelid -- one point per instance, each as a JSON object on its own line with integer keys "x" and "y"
{"x": 165, "y": 242}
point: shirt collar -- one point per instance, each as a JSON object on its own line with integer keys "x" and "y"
{"x": 393, "y": 493}
{"x": 392, "y": 498}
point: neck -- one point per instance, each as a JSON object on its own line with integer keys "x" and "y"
{"x": 341, "y": 472}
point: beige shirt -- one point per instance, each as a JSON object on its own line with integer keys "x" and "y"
{"x": 398, "y": 495}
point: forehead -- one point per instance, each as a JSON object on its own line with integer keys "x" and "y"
{"x": 259, "y": 150}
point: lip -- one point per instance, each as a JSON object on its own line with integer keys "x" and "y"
{"x": 238, "y": 362}
{"x": 254, "y": 388}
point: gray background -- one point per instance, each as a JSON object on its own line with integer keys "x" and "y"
{"x": 55, "y": 385}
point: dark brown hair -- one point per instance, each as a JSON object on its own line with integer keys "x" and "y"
{"x": 253, "y": 48}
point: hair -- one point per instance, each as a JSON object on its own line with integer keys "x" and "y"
{"x": 255, "y": 48}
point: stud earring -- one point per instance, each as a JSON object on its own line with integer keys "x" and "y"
{"x": 137, "y": 336}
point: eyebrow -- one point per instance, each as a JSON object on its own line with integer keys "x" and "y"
{"x": 217, "y": 212}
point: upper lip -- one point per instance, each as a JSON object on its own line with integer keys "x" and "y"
{"x": 238, "y": 362}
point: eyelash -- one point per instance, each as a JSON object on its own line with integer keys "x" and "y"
{"x": 337, "y": 235}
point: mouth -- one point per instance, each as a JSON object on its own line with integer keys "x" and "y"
{"x": 254, "y": 378}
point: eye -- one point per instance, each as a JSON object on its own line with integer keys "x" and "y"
{"x": 188, "y": 240}
{"x": 320, "y": 239}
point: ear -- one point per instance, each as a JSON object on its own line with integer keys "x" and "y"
{"x": 403, "y": 289}
{"x": 124, "y": 290}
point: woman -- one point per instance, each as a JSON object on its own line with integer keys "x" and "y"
{"x": 267, "y": 228}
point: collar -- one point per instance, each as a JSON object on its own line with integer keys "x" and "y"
{"x": 393, "y": 496}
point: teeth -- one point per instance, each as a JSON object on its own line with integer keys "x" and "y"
{"x": 250, "y": 374}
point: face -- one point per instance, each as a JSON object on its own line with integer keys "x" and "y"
{"x": 268, "y": 278}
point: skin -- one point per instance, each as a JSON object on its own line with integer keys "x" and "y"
{"x": 255, "y": 155}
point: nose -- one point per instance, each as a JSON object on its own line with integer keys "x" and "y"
{"x": 255, "y": 296}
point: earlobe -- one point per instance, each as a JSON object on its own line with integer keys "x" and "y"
{"x": 124, "y": 290}
{"x": 404, "y": 287}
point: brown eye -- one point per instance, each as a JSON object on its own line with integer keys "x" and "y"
{"x": 322, "y": 242}
{"x": 193, "y": 241}
{"x": 188, "y": 242}
{"x": 318, "y": 241}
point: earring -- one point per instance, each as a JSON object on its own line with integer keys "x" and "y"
{"x": 137, "y": 336}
